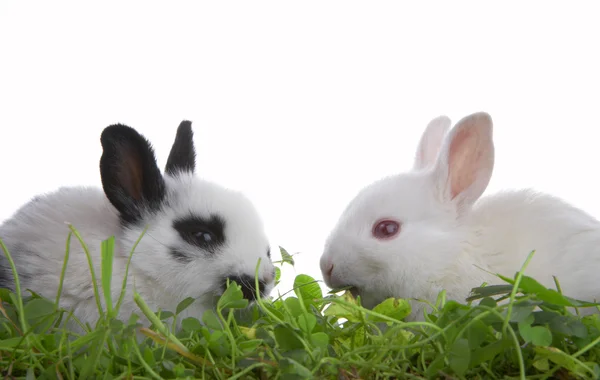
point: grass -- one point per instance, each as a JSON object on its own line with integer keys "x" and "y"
{"x": 534, "y": 334}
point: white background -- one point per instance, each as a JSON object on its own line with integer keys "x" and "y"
{"x": 298, "y": 104}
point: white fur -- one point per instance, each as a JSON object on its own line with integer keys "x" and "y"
{"x": 36, "y": 237}
{"x": 445, "y": 235}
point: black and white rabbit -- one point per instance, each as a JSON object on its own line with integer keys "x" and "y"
{"x": 414, "y": 234}
{"x": 199, "y": 233}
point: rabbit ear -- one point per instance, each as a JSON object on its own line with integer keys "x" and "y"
{"x": 466, "y": 160}
{"x": 431, "y": 142}
{"x": 183, "y": 154}
{"x": 131, "y": 178}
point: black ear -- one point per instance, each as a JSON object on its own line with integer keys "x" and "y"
{"x": 183, "y": 154}
{"x": 131, "y": 179}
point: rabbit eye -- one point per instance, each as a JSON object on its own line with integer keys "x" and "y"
{"x": 385, "y": 229}
{"x": 205, "y": 233}
{"x": 204, "y": 237}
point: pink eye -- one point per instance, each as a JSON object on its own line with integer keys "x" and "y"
{"x": 386, "y": 229}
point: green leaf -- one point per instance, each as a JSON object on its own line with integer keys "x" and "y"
{"x": 164, "y": 314}
{"x": 211, "y": 320}
{"x": 488, "y": 291}
{"x": 434, "y": 367}
{"x": 460, "y": 356}
{"x": 286, "y": 339}
{"x": 562, "y": 324}
{"x": 250, "y": 346}
{"x": 237, "y": 304}
{"x": 339, "y": 310}
{"x": 476, "y": 334}
{"x": 277, "y": 274}
{"x": 542, "y": 364}
{"x": 219, "y": 344}
{"x": 5, "y": 293}
{"x": 12, "y": 342}
{"x": 148, "y": 356}
{"x": 538, "y": 335}
{"x": 507, "y": 279}
{"x": 293, "y": 304}
{"x": 184, "y": 304}
{"x": 191, "y": 324}
{"x": 541, "y": 336}
{"x": 292, "y": 370}
{"x": 488, "y": 302}
{"x": 116, "y": 326}
{"x": 562, "y": 359}
{"x": 38, "y": 307}
{"x": 249, "y": 332}
{"x": 94, "y": 352}
{"x": 307, "y": 287}
{"x": 286, "y": 257}
{"x": 120, "y": 360}
{"x": 320, "y": 339}
{"x": 232, "y": 297}
{"x": 179, "y": 370}
{"x": 307, "y": 322}
{"x": 490, "y": 351}
{"x": 395, "y": 308}
{"x": 529, "y": 285}
{"x": 451, "y": 311}
{"x": 525, "y": 328}
{"x": 520, "y": 313}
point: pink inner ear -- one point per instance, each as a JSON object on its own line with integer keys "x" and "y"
{"x": 464, "y": 156}
{"x": 431, "y": 142}
{"x": 131, "y": 175}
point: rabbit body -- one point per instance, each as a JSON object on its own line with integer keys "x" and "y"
{"x": 414, "y": 234}
{"x": 198, "y": 234}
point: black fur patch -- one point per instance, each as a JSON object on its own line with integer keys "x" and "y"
{"x": 269, "y": 253}
{"x": 247, "y": 284}
{"x": 131, "y": 178}
{"x": 183, "y": 155}
{"x": 207, "y": 234}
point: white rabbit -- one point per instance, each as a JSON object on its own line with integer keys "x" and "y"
{"x": 413, "y": 234}
{"x": 199, "y": 233}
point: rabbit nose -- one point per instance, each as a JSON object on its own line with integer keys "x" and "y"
{"x": 326, "y": 268}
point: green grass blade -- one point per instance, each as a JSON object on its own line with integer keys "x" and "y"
{"x": 107, "y": 251}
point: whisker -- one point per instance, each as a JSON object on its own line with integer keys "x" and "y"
{"x": 156, "y": 240}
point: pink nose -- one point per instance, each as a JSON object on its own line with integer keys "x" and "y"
{"x": 326, "y": 269}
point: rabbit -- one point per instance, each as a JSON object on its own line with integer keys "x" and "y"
{"x": 199, "y": 233}
{"x": 413, "y": 234}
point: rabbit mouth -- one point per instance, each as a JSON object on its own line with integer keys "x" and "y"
{"x": 355, "y": 291}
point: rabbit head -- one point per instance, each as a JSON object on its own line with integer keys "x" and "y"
{"x": 401, "y": 236}
{"x": 198, "y": 234}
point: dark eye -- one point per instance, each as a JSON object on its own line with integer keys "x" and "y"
{"x": 204, "y": 237}
{"x": 206, "y": 233}
{"x": 385, "y": 229}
